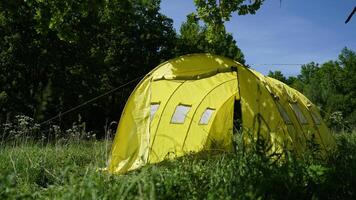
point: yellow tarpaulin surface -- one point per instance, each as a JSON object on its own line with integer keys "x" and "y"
{"x": 187, "y": 105}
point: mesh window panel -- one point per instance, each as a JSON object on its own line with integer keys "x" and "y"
{"x": 316, "y": 118}
{"x": 298, "y": 112}
{"x": 284, "y": 114}
{"x": 205, "y": 117}
{"x": 180, "y": 114}
{"x": 154, "y": 108}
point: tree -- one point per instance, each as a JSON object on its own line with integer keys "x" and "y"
{"x": 193, "y": 38}
{"x": 331, "y": 86}
{"x": 56, "y": 54}
{"x": 277, "y": 75}
{"x": 214, "y": 13}
{"x": 347, "y": 62}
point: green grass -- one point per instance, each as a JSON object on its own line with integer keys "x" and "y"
{"x": 69, "y": 171}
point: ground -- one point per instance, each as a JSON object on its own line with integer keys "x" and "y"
{"x": 70, "y": 170}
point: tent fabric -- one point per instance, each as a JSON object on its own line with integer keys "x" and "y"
{"x": 187, "y": 105}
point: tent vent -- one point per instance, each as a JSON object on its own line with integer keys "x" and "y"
{"x": 154, "y": 108}
{"x": 180, "y": 114}
{"x": 205, "y": 117}
{"x": 284, "y": 114}
{"x": 316, "y": 118}
{"x": 298, "y": 112}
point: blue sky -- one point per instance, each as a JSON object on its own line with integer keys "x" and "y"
{"x": 292, "y": 33}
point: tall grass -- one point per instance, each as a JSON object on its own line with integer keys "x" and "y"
{"x": 69, "y": 170}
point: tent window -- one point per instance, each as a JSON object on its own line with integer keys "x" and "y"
{"x": 205, "y": 117}
{"x": 316, "y": 118}
{"x": 180, "y": 114}
{"x": 284, "y": 114}
{"x": 298, "y": 112}
{"x": 154, "y": 108}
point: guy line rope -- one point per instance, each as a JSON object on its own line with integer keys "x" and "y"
{"x": 91, "y": 100}
{"x": 113, "y": 90}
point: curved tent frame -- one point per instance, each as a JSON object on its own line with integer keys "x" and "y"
{"x": 187, "y": 105}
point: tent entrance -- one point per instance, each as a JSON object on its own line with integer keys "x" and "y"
{"x": 237, "y": 120}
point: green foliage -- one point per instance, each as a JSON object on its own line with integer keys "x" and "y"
{"x": 70, "y": 171}
{"x": 24, "y": 130}
{"x": 54, "y": 55}
{"x": 23, "y": 127}
{"x": 194, "y": 38}
{"x": 215, "y": 13}
{"x": 277, "y": 75}
{"x": 331, "y": 86}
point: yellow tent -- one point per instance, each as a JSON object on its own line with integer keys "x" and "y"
{"x": 187, "y": 105}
